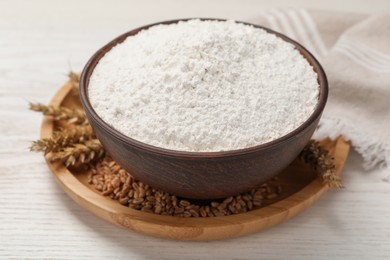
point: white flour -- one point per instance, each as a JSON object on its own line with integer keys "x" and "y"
{"x": 204, "y": 86}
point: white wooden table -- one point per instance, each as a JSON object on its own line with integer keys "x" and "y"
{"x": 40, "y": 41}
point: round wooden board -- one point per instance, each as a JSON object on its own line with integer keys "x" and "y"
{"x": 301, "y": 188}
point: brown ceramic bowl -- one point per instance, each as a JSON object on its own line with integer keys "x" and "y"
{"x": 202, "y": 175}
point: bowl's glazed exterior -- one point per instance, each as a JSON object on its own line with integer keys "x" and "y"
{"x": 202, "y": 175}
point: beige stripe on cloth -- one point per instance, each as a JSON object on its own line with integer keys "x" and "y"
{"x": 354, "y": 50}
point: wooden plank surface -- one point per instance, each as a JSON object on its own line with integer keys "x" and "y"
{"x": 39, "y": 42}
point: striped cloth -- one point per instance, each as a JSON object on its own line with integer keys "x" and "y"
{"x": 354, "y": 50}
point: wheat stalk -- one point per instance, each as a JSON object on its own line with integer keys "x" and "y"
{"x": 61, "y": 139}
{"x": 73, "y": 116}
{"x": 79, "y": 153}
{"x": 320, "y": 161}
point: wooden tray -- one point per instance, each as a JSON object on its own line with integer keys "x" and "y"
{"x": 301, "y": 188}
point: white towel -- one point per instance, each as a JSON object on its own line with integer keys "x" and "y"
{"x": 354, "y": 50}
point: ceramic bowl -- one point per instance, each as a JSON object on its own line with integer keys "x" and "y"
{"x": 202, "y": 175}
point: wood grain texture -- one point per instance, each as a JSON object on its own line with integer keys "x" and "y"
{"x": 40, "y": 41}
{"x": 300, "y": 185}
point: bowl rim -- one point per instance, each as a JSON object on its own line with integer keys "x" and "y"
{"x": 93, "y": 61}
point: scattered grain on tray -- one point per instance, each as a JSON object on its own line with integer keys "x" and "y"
{"x": 111, "y": 180}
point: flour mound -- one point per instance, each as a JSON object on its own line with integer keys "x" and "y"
{"x": 204, "y": 86}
